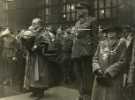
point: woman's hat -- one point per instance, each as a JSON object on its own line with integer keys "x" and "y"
{"x": 82, "y": 5}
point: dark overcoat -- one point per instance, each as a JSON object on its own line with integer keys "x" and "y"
{"x": 8, "y": 56}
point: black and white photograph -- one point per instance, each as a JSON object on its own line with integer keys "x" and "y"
{"x": 67, "y": 49}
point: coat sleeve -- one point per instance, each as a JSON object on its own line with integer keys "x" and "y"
{"x": 131, "y": 71}
{"x": 41, "y": 44}
{"x": 95, "y": 64}
{"x": 119, "y": 66}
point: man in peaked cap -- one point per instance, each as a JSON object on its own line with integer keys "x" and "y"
{"x": 83, "y": 50}
{"x": 83, "y": 8}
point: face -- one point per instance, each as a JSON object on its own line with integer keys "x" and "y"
{"x": 48, "y": 28}
{"x": 111, "y": 35}
{"x": 36, "y": 23}
{"x": 59, "y": 31}
{"x": 81, "y": 12}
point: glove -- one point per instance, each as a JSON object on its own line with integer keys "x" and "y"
{"x": 99, "y": 72}
{"x": 105, "y": 80}
{"x": 34, "y": 48}
{"x": 14, "y": 59}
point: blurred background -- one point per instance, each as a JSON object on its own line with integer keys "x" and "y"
{"x": 18, "y": 14}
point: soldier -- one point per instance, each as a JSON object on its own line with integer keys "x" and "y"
{"x": 83, "y": 50}
{"x": 109, "y": 67}
{"x": 66, "y": 62}
{"x": 51, "y": 57}
{"x": 8, "y": 54}
{"x": 20, "y": 62}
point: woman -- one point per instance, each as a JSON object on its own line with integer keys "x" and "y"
{"x": 38, "y": 70}
{"x": 108, "y": 66}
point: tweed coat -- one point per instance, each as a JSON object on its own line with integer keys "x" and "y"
{"x": 111, "y": 58}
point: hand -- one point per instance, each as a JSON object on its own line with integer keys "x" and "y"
{"x": 99, "y": 72}
{"x": 34, "y": 47}
{"x": 105, "y": 80}
{"x": 107, "y": 75}
{"x": 14, "y": 59}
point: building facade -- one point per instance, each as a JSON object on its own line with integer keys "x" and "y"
{"x": 18, "y": 14}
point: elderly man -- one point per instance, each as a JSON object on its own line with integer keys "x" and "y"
{"x": 109, "y": 66}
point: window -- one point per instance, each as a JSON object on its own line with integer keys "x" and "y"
{"x": 49, "y": 11}
{"x": 69, "y": 11}
{"x": 107, "y": 9}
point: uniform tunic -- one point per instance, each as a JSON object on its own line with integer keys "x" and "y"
{"x": 8, "y": 54}
{"x": 83, "y": 39}
{"x": 66, "y": 63}
{"x": 82, "y": 52}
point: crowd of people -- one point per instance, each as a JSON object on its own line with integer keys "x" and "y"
{"x": 101, "y": 61}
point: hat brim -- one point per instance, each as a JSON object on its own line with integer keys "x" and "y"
{"x": 112, "y": 29}
{"x": 79, "y": 7}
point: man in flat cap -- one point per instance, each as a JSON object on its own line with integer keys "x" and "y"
{"x": 83, "y": 50}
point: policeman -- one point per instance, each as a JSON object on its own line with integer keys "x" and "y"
{"x": 82, "y": 50}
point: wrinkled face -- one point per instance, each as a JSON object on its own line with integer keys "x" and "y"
{"x": 102, "y": 35}
{"x": 112, "y": 35}
{"x": 36, "y": 23}
{"x": 81, "y": 12}
{"x": 59, "y": 30}
{"x": 49, "y": 28}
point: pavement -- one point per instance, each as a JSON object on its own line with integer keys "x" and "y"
{"x": 6, "y": 91}
{"x": 56, "y": 93}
